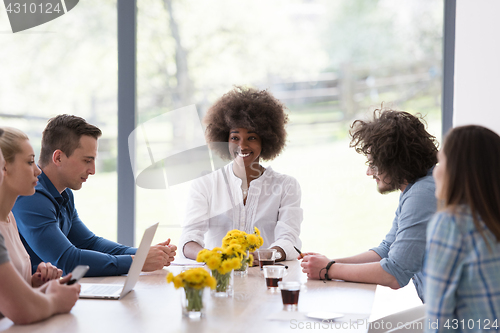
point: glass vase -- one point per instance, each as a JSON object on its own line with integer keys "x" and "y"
{"x": 192, "y": 302}
{"x": 243, "y": 269}
{"x": 224, "y": 286}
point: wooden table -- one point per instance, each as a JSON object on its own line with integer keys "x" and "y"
{"x": 154, "y": 306}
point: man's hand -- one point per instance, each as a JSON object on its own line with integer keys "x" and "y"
{"x": 307, "y": 254}
{"x": 45, "y": 272}
{"x": 159, "y": 255}
{"x": 312, "y": 264}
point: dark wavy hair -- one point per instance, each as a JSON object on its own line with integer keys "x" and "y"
{"x": 252, "y": 109}
{"x": 398, "y": 143}
{"x": 472, "y": 174}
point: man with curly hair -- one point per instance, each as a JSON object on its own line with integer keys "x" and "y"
{"x": 401, "y": 156}
{"x": 244, "y": 126}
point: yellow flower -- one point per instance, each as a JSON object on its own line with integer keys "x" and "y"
{"x": 211, "y": 282}
{"x": 236, "y": 262}
{"x": 250, "y": 260}
{"x": 201, "y": 257}
{"x": 197, "y": 278}
{"x": 213, "y": 262}
{"x": 178, "y": 282}
{"x": 253, "y": 240}
{"x": 226, "y": 266}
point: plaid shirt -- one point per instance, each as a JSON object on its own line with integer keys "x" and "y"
{"x": 462, "y": 275}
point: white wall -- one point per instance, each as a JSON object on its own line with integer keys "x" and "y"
{"x": 477, "y": 64}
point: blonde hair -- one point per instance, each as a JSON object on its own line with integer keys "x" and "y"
{"x": 10, "y": 142}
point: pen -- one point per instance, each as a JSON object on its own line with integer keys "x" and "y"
{"x": 296, "y": 249}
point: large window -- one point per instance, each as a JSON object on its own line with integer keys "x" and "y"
{"x": 68, "y": 65}
{"x": 330, "y": 62}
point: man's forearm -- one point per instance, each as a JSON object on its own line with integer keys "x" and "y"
{"x": 365, "y": 273}
{"x": 365, "y": 257}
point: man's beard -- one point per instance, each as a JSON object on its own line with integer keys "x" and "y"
{"x": 387, "y": 188}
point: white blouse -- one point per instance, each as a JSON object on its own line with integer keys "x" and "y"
{"x": 215, "y": 206}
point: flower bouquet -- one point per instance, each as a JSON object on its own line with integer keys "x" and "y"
{"x": 222, "y": 261}
{"x": 247, "y": 242}
{"x": 194, "y": 282}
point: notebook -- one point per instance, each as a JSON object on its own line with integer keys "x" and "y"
{"x": 117, "y": 291}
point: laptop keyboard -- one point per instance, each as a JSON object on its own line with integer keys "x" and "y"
{"x": 102, "y": 289}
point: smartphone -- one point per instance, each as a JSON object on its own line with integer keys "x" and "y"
{"x": 78, "y": 273}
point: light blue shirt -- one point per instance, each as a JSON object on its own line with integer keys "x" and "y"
{"x": 462, "y": 275}
{"x": 403, "y": 249}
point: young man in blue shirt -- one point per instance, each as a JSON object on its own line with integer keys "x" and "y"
{"x": 401, "y": 155}
{"x": 48, "y": 221}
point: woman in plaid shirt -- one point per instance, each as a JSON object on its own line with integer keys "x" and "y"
{"x": 462, "y": 266}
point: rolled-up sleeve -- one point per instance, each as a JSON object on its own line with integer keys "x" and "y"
{"x": 403, "y": 250}
{"x": 290, "y": 216}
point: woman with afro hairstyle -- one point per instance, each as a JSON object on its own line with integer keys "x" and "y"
{"x": 245, "y": 126}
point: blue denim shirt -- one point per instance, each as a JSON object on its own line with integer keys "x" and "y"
{"x": 51, "y": 231}
{"x": 403, "y": 249}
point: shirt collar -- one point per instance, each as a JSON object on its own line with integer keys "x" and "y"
{"x": 234, "y": 178}
{"x": 429, "y": 173}
{"x": 45, "y": 182}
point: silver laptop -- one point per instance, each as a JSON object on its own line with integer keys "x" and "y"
{"x": 117, "y": 291}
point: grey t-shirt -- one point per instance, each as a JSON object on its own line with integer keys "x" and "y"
{"x": 4, "y": 257}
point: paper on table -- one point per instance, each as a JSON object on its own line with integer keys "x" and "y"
{"x": 178, "y": 261}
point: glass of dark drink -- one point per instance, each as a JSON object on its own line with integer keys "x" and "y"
{"x": 290, "y": 295}
{"x": 273, "y": 274}
{"x": 266, "y": 257}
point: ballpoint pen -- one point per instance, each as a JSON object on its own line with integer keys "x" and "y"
{"x": 296, "y": 249}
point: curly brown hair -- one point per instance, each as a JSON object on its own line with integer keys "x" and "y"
{"x": 254, "y": 110}
{"x": 398, "y": 143}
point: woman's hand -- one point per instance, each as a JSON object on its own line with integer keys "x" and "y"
{"x": 64, "y": 297}
{"x": 45, "y": 272}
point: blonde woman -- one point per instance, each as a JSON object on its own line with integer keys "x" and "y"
{"x": 23, "y": 304}
{"x": 20, "y": 177}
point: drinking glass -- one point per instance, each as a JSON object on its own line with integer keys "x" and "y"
{"x": 290, "y": 295}
{"x": 273, "y": 275}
